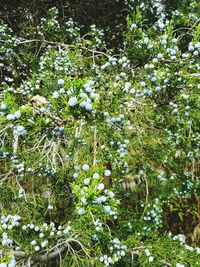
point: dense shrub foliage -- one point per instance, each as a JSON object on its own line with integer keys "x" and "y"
{"x": 100, "y": 145}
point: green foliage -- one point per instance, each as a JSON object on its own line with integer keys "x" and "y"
{"x": 99, "y": 159}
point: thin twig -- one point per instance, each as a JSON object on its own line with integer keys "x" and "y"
{"x": 61, "y": 45}
{"x": 95, "y": 146}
